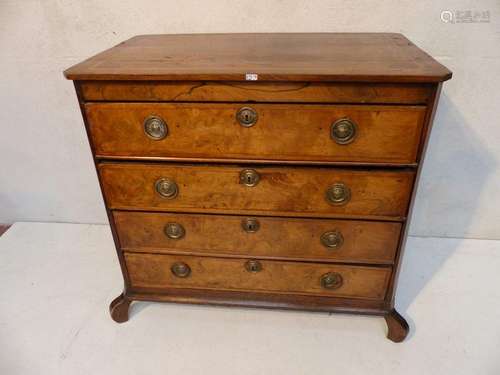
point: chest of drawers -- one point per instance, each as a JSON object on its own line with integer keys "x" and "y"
{"x": 262, "y": 170}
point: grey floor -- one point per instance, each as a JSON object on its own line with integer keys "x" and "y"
{"x": 57, "y": 280}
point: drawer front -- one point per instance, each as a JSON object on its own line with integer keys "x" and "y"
{"x": 267, "y": 92}
{"x": 277, "y": 191}
{"x": 153, "y": 271}
{"x": 375, "y": 134}
{"x": 267, "y": 237}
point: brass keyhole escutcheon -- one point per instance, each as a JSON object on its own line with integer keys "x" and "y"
{"x": 247, "y": 116}
{"x": 155, "y": 128}
{"x": 253, "y": 266}
{"x": 331, "y": 280}
{"x": 250, "y": 225}
{"x": 332, "y": 239}
{"x": 338, "y": 194}
{"x": 343, "y": 131}
{"x": 180, "y": 269}
{"x": 166, "y": 188}
{"x": 174, "y": 231}
{"x": 249, "y": 177}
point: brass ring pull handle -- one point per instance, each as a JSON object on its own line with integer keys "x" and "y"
{"x": 249, "y": 177}
{"x": 331, "y": 280}
{"x": 166, "y": 188}
{"x": 247, "y": 116}
{"x": 332, "y": 239}
{"x": 338, "y": 194}
{"x": 250, "y": 225}
{"x": 253, "y": 266}
{"x": 155, "y": 128}
{"x": 180, "y": 269}
{"x": 343, "y": 131}
{"x": 174, "y": 231}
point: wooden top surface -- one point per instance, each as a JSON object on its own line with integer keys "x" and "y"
{"x": 360, "y": 57}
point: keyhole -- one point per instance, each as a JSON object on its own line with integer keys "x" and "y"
{"x": 253, "y": 266}
{"x": 250, "y": 225}
{"x": 247, "y": 117}
{"x": 249, "y": 177}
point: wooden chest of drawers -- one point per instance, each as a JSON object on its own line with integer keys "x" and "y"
{"x": 265, "y": 170}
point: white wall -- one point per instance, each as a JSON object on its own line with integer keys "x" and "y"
{"x": 47, "y": 172}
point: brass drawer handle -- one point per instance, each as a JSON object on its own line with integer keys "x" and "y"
{"x": 250, "y": 225}
{"x": 338, "y": 194}
{"x": 331, "y": 280}
{"x": 343, "y": 131}
{"x": 166, "y": 188}
{"x": 247, "y": 116}
{"x": 253, "y": 266}
{"x": 174, "y": 231}
{"x": 155, "y": 128}
{"x": 249, "y": 177}
{"x": 180, "y": 269}
{"x": 332, "y": 239}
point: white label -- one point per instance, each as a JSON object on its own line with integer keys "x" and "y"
{"x": 251, "y": 76}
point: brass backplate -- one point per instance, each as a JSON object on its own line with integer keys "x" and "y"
{"x": 155, "y": 128}
{"x": 343, "y": 131}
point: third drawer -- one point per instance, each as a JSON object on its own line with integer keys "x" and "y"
{"x": 353, "y": 241}
{"x": 266, "y": 191}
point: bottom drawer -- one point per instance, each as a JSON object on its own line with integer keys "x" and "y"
{"x": 154, "y": 272}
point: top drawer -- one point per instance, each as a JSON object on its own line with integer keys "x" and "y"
{"x": 263, "y": 92}
{"x": 257, "y": 132}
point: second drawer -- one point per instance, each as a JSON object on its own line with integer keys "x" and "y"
{"x": 266, "y": 132}
{"x": 264, "y": 237}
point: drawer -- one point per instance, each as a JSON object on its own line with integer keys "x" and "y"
{"x": 262, "y": 237}
{"x": 275, "y": 191}
{"x": 156, "y": 272}
{"x": 264, "y": 92}
{"x": 281, "y": 132}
